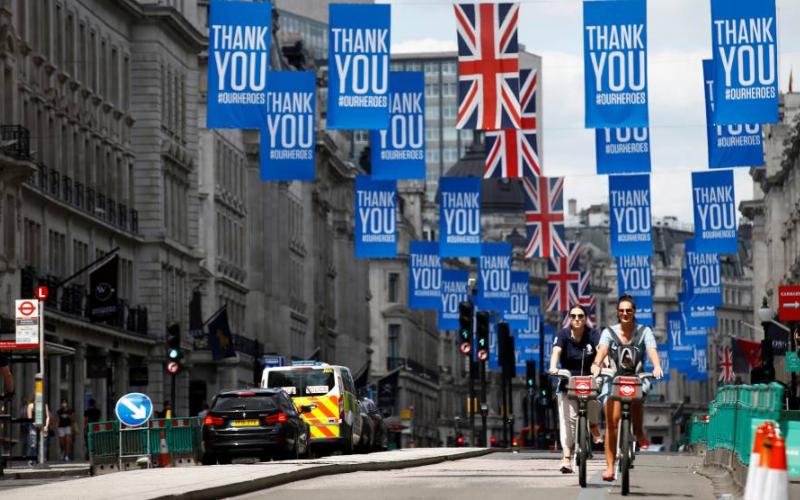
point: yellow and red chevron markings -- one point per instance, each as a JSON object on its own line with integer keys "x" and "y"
{"x": 322, "y": 420}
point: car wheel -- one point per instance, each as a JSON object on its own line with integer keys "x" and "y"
{"x": 223, "y": 459}
{"x": 348, "y": 445}
{"x": 208, "y": 459}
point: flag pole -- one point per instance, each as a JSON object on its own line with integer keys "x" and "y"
{"x": 85, "y": 268}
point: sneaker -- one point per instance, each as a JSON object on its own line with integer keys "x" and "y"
{"x": 566, "y": 466}
{"x": 644, "y": 444}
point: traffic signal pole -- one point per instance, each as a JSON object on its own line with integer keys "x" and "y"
{"x": 471, "y": 375}
{"x": 484, "y": 405}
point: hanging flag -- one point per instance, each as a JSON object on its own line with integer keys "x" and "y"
{"x": 714, "y": 212}
{"x": 631, "y": 223}
{"x": 494, "y": 345}
{"x": 622, "y": 150}
{"x": 460, "y": 216}
{"x": 289, "y": 139}
{"x": 697, "y": 316}
{"x": 526, "y": 341}
{"x": 488, "y": 66}
{"x": 634, "y": 278}
{"x": 103, "y": 297}
{"x": 587, "y": 299}
{"x": 220, "y": 338}
{"x": 698, "y": 371}
{"x": 745, "y": 52}
{"x": 615, "y": 63}
{"x": 737, "y": 145}
{"x": 563, "y": 278}
{"x": 494, "y": 276}
{"x": 680, "y": 352}
{"x": 358, "y": 66}
{"x": 726, "y": 373}
{"x": 424, "y": 275}
{"x": 513, "y": 153}
{"x": 398, "y": 152}
{"x": 746, "y": 355}
{"x": 455, "y": 285}
{"x": 239, "y": 35}
{"x": 544, "y": 216}
{"x": 376, "y": 218}
{"x": 517, "y": 313}
{"x": 705, "y": 277}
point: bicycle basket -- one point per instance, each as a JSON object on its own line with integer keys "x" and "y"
{"x": 627, "y": 389}
{"x": 582, "y": 387}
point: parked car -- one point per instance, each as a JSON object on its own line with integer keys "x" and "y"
{"x": 262, "y": 423}
{"x": 380, "y": 432}
{"x": 367, "y": 430}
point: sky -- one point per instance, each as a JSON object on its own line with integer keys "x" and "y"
{"x": 679, "y": 38}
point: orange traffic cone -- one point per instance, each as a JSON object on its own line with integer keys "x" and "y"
{"x": 755, "y": 472}
{"x": 163, "y": 452}
{"x": 776, "y": 479}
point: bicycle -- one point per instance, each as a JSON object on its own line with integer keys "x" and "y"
{"x": 582, "y": 389}
{"x": 627, "y": 390}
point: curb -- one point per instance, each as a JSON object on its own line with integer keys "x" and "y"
{"x": 250, "y": 486}
{"x": 9, "y": 474}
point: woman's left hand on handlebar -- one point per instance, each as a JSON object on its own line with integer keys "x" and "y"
{"x": 658, "y": 373}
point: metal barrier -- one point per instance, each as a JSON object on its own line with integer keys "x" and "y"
{"x": 113, "y": 449}
{"x": 726, "y": 433}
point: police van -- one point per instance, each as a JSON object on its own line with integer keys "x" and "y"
{"x": 335, "y": 419}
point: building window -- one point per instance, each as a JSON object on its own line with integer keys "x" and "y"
{"x": 431, "y": 68}
{"x": 58, "y": 254}
{"x": 393, "y": 346}
{"x": 33, "y": 243}
{"x": 432, "y": 155}
{"x": 361, "y": 136}
{"x": 449, "y": 68}
{"x": 394, "y": 285}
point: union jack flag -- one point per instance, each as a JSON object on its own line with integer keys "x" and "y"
{"x": 726, "y": 373}
{"x": 563, "y": 280}
{"x": 488, "y": 66}
{"x": 512, "y": 153}
{"x": 544, "y": 216}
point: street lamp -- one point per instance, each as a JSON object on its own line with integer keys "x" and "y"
{"x": 766, "y": 315}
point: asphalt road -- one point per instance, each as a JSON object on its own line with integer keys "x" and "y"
{"x": 504, "y": 475}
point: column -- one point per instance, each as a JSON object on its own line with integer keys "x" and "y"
{"x": 79, "y": 403}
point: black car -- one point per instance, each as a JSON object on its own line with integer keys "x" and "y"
{"x": 261, "y": 423}
{"x": 380, "y": 433}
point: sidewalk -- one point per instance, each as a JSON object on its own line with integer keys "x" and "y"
{"x": 229, "y": 480}
{"x": 21, "y": 470}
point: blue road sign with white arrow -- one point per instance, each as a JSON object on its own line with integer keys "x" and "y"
{"x": 134, "y": 409}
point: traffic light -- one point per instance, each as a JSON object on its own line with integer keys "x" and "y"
{"x": 174, "y": 352}
{"x": 465, "y": 314}
{"x": 459, "y": 440}
{"x": 482, "y": 331}
{"x": 508, "y": 360}
{"x": 530, "y": 374}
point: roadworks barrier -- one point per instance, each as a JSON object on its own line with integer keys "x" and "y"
{"x": 114, "y": 448}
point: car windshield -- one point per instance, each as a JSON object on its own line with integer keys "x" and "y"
{"x": 308, "y": 382}
{"x": 232, "y": 402}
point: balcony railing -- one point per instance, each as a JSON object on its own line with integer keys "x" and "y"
{"x": 412, "y": 366}
{"x": 16, "y": 141}
{"x": 72, "y": 299}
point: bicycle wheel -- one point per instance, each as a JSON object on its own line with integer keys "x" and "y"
{"x": 625, "y": 457}
{"x": 583, "y": 451}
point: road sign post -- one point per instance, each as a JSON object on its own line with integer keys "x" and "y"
{"x": 133, "y": 410}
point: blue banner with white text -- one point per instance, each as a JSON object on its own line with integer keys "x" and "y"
{"x": 239, "y": 35}
{"x": 358, "y": 66}
{"x": 714, "y": 211}
{"x": 517, "y": 314}
{"x": 398, "y": 152}
{"x": 494, "y": 276}
{"x": 376, "y": 218}
{"x": 615, "y": 63}
{"x": 622, "y": 150}
{"x": 680, "y": 351}
{"x": 737, "y": 145}
{"x": 634, "y": 278}
{"x": 424, "y": 275}
{"x": 288, "y": 139}
{"x": 745, "y": 53}
{"x": 629, "y": 207}
{"x": 460, "y": 216}
{"x": 455, "y": 285}
{"x": 549, "y": 342}
{"x": 526, "y": 341}
{"x": 698, "y": 368}
{"x": 704, "y": 287}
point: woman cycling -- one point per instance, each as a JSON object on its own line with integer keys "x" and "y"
{"x": 574, "y": 348}
{"x": 613, "y": 343}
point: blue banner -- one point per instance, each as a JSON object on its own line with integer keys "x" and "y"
{"x": 549, "y": 341}
{"x": 680, "y": 352}
{"x": 714, "y": 212}
{"x": 698, "y": 369}
{"x": 745, "y": 52}
{"x": 358, "y": 66}
{"x": 398, "y": 152}
{"x": 663, "y": 356}
{"x": 615, "y": 63}
{"x": 695, "y": 336}
{"x": 424, "y": 275}
{"x": 622, "y": 150}
{"x": 704, "y": 286}
{"x": 494, "y": 276}
{"x": 494, "y": 345}
{"x": 738, "y": 145}
{"x": 534, "y": 304}
{"x": 454, "y": 291}
{"x": 631, "y": 223}
{"x": 239, "y": 36}
{"x": 635, "y": 278}
{"x": 288, "y": 139}
{"x": 696, "y": 316}
{"x": 526, "y": 341}
{"x": 460, "y": 216}
{"x": 517, "y": 314}
{"x": 376, "y": 218}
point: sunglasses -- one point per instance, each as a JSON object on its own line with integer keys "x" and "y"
{"x": 625, "y": 311}
{"x": 577, "y": 316}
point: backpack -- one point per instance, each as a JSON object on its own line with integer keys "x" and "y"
{"x": 628, "y": 359}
